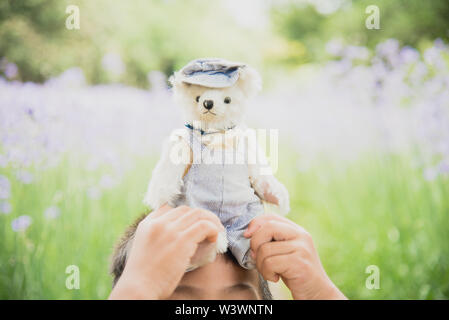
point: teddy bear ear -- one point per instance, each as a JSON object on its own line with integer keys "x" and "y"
{"x": 176, "y": 82}
{"x": 249, "y": 81}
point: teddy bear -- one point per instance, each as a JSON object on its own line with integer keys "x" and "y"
{"x": 210, "y": 163}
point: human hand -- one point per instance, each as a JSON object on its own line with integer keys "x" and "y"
{"x": 283, "y": 249}
{"x": 162, "y": 247}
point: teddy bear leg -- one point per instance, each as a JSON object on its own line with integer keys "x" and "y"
{"x": 222, "y": 242}
{"x": 240, "y": 248}
{"x": 247, "y": 261}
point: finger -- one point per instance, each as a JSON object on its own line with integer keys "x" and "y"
{"x": 257, "y": 222}
{"x": 194, "y": 215}
{"x": 203, "y": 249}
{"x": 275, "y": 266}
{"x": 272, "y": 230}
{"x": 163, "y": 209}
{"x": 200, "y": 231}
{"x": 155, "y": 214}
{"x": 274, "y": 248}
{"x": 175, "y": 213}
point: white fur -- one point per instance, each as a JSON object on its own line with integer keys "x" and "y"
{"x": 267, "y": 187}
{"x": 226, "y": 115}
{"x": 166, "y": 180}
{"x": 167, "y": 177}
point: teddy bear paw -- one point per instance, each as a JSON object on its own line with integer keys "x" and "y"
{"x": 222, "y": 243}
{"x": 283, "y": 203}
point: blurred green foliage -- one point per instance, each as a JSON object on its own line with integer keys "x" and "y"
{"x": 412, "y": 22}
{"x": 147, "y": 34}
{"x": 29, "y": 36}
{"x": 165, "y": 34}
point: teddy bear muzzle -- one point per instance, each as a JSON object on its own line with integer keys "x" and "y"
{"x": 208, "y": 104}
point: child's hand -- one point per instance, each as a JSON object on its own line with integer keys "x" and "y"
{"x": 283, "y": 249}
{"x": 163, "y": 245}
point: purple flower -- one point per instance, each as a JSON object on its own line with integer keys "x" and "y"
{"x": 439, "y": 43}
{"x": 433, "y": 57}
{"x": 25, "y": 177}
{"x": 11, "y": 70}
{"x": 356, "y": 53}
{"x": 5, "y": 207}
{"x": 73, "y": 77}
{"x": 409, "y": 54}
{"x": 443, "y": 167}
{"x": 108, "y": 182}
{"x": 5, "y": 187}
{"x": 3, "y": 161}
{"x": 94, "y": 193}
{"x": 389, "y": 50}
{"x": 21, "y": 223}
{"x": 334, "y": 47}
{"x": 52, "y": 212}
{"x": 112, "y": 62}
{"x": 157, "y": 80}
{"x": 430, "y": 174}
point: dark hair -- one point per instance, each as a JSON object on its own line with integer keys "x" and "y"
{"x": 120, "y": 255}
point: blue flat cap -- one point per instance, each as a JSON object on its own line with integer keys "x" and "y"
{"x": 211, "y": 72}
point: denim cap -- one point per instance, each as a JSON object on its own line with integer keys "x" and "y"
{"x": 211, "y": 72}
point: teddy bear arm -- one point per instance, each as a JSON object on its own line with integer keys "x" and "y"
{"x": 268, "y": 188}
{"x": 167, "y": 177}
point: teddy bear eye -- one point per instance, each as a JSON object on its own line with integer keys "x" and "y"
{"x": 227, "y": 100}
{"x": 197, "y": 98}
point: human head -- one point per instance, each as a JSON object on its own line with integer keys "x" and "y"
{"x": 234, "y": 282}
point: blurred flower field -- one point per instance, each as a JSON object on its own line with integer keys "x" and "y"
{"x": 364, "y": 152}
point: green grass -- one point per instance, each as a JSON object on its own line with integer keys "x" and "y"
{"x": 377, "y": 210}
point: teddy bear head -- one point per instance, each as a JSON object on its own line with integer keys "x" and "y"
{"x": 216, "y": 96}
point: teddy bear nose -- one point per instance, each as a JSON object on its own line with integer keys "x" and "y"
{"x": 208, "y": 104}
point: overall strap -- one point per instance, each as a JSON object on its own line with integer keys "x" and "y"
{"x": 196, "y": 145}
